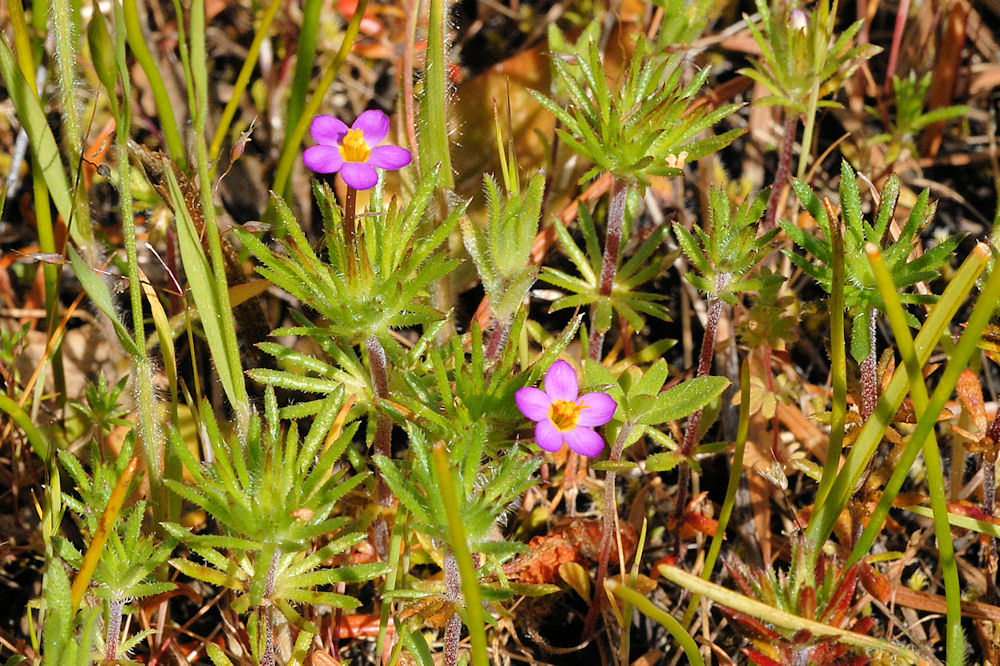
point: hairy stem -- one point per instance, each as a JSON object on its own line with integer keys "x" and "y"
{"x": 691, "y": 434}
{"x": 382, "y": 445}
{"x": 453, "y": 593}
{"x": 114, "y": 629}
{"x": 609, "y": 263}
{"x": 607, "y": 532}
{"x": 784, "y": 169}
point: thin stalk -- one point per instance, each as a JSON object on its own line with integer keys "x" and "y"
{"x": 453, "y": 593}
{"x": 67, "y": 45}
{"x": 609, "y": 262}
{"x": 463, "y": 558}
{"x": 161, "y": 98}
{"x": 838, "y": 361}
{"x": 383, "y": 430}
{"x": 869, "y": 371}
{"x": 382, "y": 445}
{"x": 242, "y": 79}
{"x": 43, "y": 213}
{"x": 149, "y": 430}
{"x": 654, "y": 612}
{"x": 691, "y": 433}
{"x": 221, "y": 287}
{"x": 114, "y": 630}
{"x": 433, "y": 128}
{"x": 807, "y": 133}
{"x": 735, "y": 473}
{"x": 350, "y": 233}
{"x": 304, "y": 61}
{"x": 294, "y": 138}
{"x": 607, "y": 531}
{"x": 926, "y": 413}
{"x": 784, "y": 168}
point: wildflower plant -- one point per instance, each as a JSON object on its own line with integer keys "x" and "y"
{"x": 630, "y": 131}
{"x": 126, "y": 567}
{"x": 274, "y": 498}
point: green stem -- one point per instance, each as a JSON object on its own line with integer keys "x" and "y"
{"x": 149, "y": 430}
{"x": 807, "y": 134}
{"x": 825, "y": 515}
{"x": 926, "y": 412}
{"x": 221, "y": 287}
{"x": 242, "y": 79}
{"x": 433, "y": 125}
{"x": 463, "y": 558}
{"x": 650, "y": 610}
{"x": 838, "y": 363}
{"x": 304, "y": 61}
{"x": 67, "y": 46}
{"x": 164, "y": 107}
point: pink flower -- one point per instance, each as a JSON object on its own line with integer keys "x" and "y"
{"x": 354, "y": 152}
{"x": 564, "y": 418}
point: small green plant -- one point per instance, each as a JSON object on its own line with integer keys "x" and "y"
{"x": 861, "y": 295}
{"x": 127, "y": 568}
{"x": 910, "y": 118}
{"x": 274, "y": 497}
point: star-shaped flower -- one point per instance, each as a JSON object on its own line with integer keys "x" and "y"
{"x": 354, "y": 152}
{"x": 562, "y": 416}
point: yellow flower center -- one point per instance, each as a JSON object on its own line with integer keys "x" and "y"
{"x": 353, "y": 147}
{"x": 564, "y": 414}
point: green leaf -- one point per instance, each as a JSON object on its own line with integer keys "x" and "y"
{"x": 664, "y": 461}
{"x": 685, "y": 399}
{"x": 98, "y": 291}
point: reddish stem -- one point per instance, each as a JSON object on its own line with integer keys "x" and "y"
{"x": 781, "y": 175}
{"x": 607, "y": 532}
{"x": 383, "y": 437}
{"x": 609, "y": 263}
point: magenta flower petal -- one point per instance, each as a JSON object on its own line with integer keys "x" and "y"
{"x": 548, "y": 437}
{"x": 327, "y": 130}
{"x": 323, "y": 159}
{"x": 389, "y": 157}
{"x": 359, "y": 175}
{"x": 598, "y": 408}
{"x": 533, "y": 403}
{"x": 560, "y": 382}
{"x": 584, "y": 441}
{"x": 374, "y": 126}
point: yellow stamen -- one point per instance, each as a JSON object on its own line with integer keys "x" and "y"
{"x": 353, "y": 147}
{"x": 564, "y": 414}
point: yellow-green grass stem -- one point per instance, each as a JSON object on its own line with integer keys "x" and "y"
{"x": 463, "y": 558}
{"x": 100, "y": 536}
{"x": 161, "y": 98}
{"x": 242, "y": 79}
{"x": 777, "y": 617}
{"x": 838, "y": 359}
{"x": 232, "y": 364}
{"x": 825, "y": 515}
{"x": 654, "y": 612}
{"x": 923, "y": 438}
